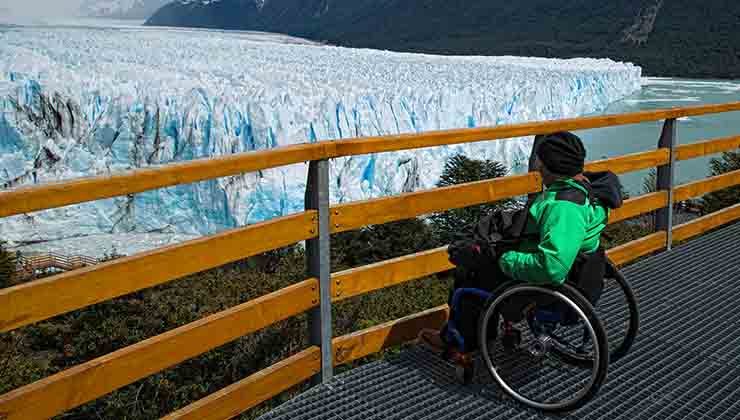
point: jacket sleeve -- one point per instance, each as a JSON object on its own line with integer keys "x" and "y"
{"x": 562, "y": 231}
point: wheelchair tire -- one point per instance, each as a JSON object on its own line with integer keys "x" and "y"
{"x": 597, "y": 367}
{"x": 622, "y": 334}
{"x": 620, "y": 348}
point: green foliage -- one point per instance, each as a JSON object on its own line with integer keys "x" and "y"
{"x": 48, "y": 347}
{"x": 7, "y": 266}
{"x": 43, "y": 349}
{"x": 650, "y": 182}
{"x": 18, "y": 363}
{"x": 688, "y": 38}
{"x": 460, "y": 169}
{"x": 626, "y": 231}
{"x": 380, "y": 242}
{"x": 629, "y": 230}
{"x": 730, "y": 161}
{"x": 111, "y": 255}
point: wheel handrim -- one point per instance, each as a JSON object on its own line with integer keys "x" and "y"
{"x": 517, "y": 394}
{"x": 617, "y": 310}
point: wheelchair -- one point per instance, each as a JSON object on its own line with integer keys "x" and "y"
{"x": 549, "y": 347}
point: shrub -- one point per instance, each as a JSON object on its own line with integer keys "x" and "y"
{"x": 380, "y": 242}
{"x": 48, "y": 347}
{"x": 730, "y": 161}
{"x": 7, "y": 266}
{"x": 460, "y": 169}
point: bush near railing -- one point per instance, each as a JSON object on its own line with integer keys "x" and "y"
{"x": 718, "y": 200}
{"x": 51, "y": 346}
{"x": 8, "y": 265}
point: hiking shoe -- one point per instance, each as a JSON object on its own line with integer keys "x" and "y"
{"x": 433, "y": 339}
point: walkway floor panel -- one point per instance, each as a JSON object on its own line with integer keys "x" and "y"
{"x": 685, "y": 363}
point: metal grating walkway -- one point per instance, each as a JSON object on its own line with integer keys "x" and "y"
{"x": 685, "y": 363}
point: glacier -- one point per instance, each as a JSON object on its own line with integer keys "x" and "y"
{"x": 89, "y": 101}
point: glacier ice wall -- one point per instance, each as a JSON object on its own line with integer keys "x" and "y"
{"x": 81, "y": 102}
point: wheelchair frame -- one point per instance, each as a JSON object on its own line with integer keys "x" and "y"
{"x": 578, "y": 304}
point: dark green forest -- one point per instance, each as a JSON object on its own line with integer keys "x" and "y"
{"x": 680, "y": 38}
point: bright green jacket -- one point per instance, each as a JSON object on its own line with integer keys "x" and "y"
{"x": 564, "y": 227}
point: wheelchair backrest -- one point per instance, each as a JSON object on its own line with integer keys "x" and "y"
{"x": 587, "y": 274}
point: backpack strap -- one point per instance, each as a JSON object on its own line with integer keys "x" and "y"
{"x": 519, "y": 222}
{"x": 574, "y": 195}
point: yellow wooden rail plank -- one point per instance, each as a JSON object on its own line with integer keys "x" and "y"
{"x": 631, "y": 162}
{"x": 25, "y": 200}
{"x": 237, "y": 398}
{"x": 360, "y": 280}
{"x": 368, "y": 145}
{"x": 639, "y": 205}
{"x": 383, "y": 274}
{"x": 255, "y": 389}
{"x": 59, "y": 194}
{"x": 370, "y": 212}
{"x": 382, "y": 210}
{"x": 357, "y": 281}
{"x": 247, "y": 393}
{"x": 703, "y": 224}
{"x": 73, "y": 387}
{"x": 372, "y": 340}
{"x": 707, "y": 185}
{"x": 630, "y": 251}
{"x": 708, "y": 147}
{"x": 42, "y": 299}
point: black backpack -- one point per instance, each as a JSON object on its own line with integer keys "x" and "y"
{"x": 479, "y": 247}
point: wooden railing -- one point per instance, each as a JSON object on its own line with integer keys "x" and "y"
{"x": 30, "y": 265}
{"x": 42, "y": 299}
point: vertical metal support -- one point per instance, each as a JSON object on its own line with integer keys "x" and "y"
{"x": 665, "y": 181}
{"x": 318, "y": 265}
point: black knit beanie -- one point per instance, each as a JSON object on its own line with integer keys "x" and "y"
{"x": 562, "y": 153}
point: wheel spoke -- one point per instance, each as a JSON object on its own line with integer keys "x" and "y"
{"x": 547, "y": 370}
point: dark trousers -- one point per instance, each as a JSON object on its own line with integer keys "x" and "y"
{"x": 469, "y": 307}
{"x": 586, "y": 276}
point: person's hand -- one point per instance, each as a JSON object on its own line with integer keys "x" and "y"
{"x": 471, "y": 254}
{"x": 462, "y": 253}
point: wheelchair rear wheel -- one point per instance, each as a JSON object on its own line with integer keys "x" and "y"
{"x": 618, "y": 311}
{"x": 549, "y": 369}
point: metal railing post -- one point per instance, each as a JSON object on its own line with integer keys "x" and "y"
{"x": 318, "y": 265}
{"x": 665, "y": 181}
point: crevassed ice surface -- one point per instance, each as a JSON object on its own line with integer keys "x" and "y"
{"x": 93, "y": 101}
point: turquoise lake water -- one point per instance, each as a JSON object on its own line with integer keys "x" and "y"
{"x": 660, "y": 94}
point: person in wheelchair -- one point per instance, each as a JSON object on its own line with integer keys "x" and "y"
{"x": 559, "y": 240}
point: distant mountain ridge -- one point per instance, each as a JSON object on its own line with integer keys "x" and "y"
{"x": 121, "y": 9}
{"x": 684, "y": 38}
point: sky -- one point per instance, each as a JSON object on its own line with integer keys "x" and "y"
{"x": 41, "y": 8}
